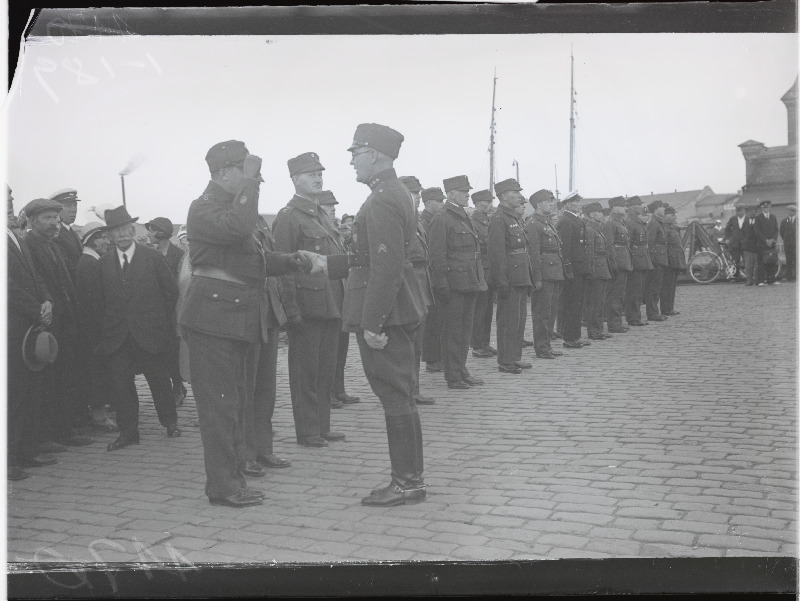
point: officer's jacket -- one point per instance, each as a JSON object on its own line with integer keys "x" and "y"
{"x": 509, "y": 262}
{"x": 597, "y": 250}
{"x": 544, "y": 250}
{"x": 657, "y": 241}
{"x": 480, "y": 221}
{"x": 221, "y": 227}
{"x": 640, "y": 257}
{"x": 425, "y": 219}
{"x": 301, "y": 225}
{"x": 618, "y": 242}
{"x": 455, "y": 251}
{"x": 675, "y": 254}
{"x": 572, "y": 231}
{"x": 418, "y": 255}
{"x": 381, "y": 289}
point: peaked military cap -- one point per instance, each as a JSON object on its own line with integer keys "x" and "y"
{"x": 655, "y": 205}
{"x": 162, "y": 224}
{"x": 617, "y": 201}
{"x": 791, "y": 207}
{"x": 669, "y": 211}
{"x": 308, "y": 162}
{"x": 765, "y": 203}
{"x": 411, "y": 182}
{"x": 432, "y": 194}
{"x": 506, "y": 185}
{"x": 592, "y": 207}
{"x": 118, "y": 217}
{"x": 482, "y": 196}
{"x": 90, "y": 230}
{"x": 572, "y": 197}
{"x": 226, "y": 154}
{"x": 541, "y": 196}
{"x": 634, "y": 201}
{"x": 326, "y": 197}
{"x": 379, "y": 137}
{"x": 65, "y": 195}
{"x": 459, "y": 182}
{"x": 41, "y": 204}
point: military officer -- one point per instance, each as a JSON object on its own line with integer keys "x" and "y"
{"x": 602, "y": 266}
{"x": 384, "y": 306}
{"x": 677, "y": 263}
{"x": 572, "y": 230}
{"x": 641, "y": 262}
{"x": 225, "y": 316}
{"x": 313, "y": 304}
{"x": 618, "y": 245}
{"x": 547, "y": 271}
{"x": 510, "y": 269}
{"x": 67, "y": 240}
{"x": 657, "y": 248}
{"x": 484, "y": 302}
{"x": 418, "y": 253}
{"x": 433, "y": 199}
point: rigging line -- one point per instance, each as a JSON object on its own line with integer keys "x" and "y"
{"x": 483, "y": 164}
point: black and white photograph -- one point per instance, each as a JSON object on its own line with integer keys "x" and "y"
{"x": 328, "y": 298}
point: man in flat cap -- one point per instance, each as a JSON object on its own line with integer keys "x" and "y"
{"x": 63, "y": 409}
{"x": 750, "y": 246}
{"x": 67, "y": 240}
{"x": 572, "y": 230}
{"x": 384, "y": 306}
{"x": 657, "y": 248}
{"x": 677, "y": 263}
{"x": 457, "y": 275}
{"x": 618, "y": 241}
{"x": 226, "y": 314}
{"x": 733, "y": 238}
{"x": 547, "y": 271}
{"x": 484, "y": 301}
{"x": 418, "y": 253}
{"x": 510, "y": 272}
{"x": 766, "y": 231}
{"x": 641, "y": 263}
{"x": 788, "y": 232}
{"x": 313, "y": 304}
{"x": 433, "y": 330}
{"x": 601, "y": 267}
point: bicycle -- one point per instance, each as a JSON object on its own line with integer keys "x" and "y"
{"x": 707, "y": 266}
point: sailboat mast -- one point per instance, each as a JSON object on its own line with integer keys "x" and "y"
{"x": 571, "y": 121}
{"x": 491, "y": 137}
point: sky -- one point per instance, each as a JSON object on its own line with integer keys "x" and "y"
{"x": 655, "y": 112}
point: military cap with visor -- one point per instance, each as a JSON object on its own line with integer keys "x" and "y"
{"x": 432, "y": 194}
{"x": 617, "y": 201}
{"x": 380, "y": 137}
{"x": 541, "y": 196}
{"x": 226, "y": 154}
{"x": 65, "y": 195}
{"x": 326, "y": 197}
{"x": 634, "y": 201}
{"x": 308, "y": 162}
{"x": 411, "y": 182}
{"x": 507, "y": 185}
{"x": 656, "y": 204}
{"x": 482, "y": 196}
{"x": 765, "y": 203}
{"x": 592, "y": 207}
{"x": 459, "y": 182}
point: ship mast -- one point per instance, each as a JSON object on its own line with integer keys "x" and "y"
{"x": 491, "y": 137}
{"x": 571, "y": 121}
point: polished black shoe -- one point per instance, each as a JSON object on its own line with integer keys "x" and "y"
{"x": 333, "y": 436}
{"x": 556, "y": 353}
{"x": 545, "y": 356}
{"x": 424, "y": 400}
{"x": 481, "y": 353}
{"x": 252, "y": 492}
{"x": 123, "y": 441}
{"x": 312, "y": 441}
{"x": 239, "y": 500}
{"x": 16, "y": 473}
{"x": 173, "y": 431}
{"x": 526, "y": 343}
{"x": 394, "y": 495}
{"x": 39, "y": 461}
{"x": 523, "y": 364}
{"x": 638, "y": 323}
{"x": 335, "y": 404}
{"x": 458, "y": 385}
{"x": 571, "y": 344}
{"x": 618, "y": 330}
{"x": 273, "y": 461}
{"x": 347, "y": 399}
{"x": 509, "y": 369}
{"x": 584, "y": 343}
{"x": 252, "y": 469}
{"x": 555, "y": 336}
{"x": 671, "y": 313}
{"x": 657, "y": 318}
{"x": 473, "y": 381}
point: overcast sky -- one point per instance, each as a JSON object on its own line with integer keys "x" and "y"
{"x": 656, "y": 112}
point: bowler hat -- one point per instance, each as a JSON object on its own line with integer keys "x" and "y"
{"x": 655, "y": 205}
{"x": 592, "y": 207}
{"x": 118, "y": 217}
{"x": 507, "y": 185}
{"x": 41, "y": 204}
{"x": 380, "y": 137}
{"x": 411, "y": 182}
{"x": 39, "y": 348}
{"x": 226, "y": 154}
{"x": 161, "y": 224}
{"x": 65, "y": 195}
{"x": 459, "y": 182}
{"x": 326, "y": 197}
{"x": 541, "y": 196}
{"x": 308, "y": 162}
{"x": 432, "y": 194}
{"x": 90, "y": 230}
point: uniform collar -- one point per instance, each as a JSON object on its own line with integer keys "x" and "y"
{"x": 480, "y": 216}
{"x": 508, "y": 211}
{"x": 382, "y": 177}
{"x": 455, "y": 208}
{"x": 218, "y": 192}
{"x": 304, "y": 204}
{"x": 542, "y": 218}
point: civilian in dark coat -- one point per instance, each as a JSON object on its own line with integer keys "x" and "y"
{"x": 766, "y": 230}
{"x": 572, "y": 231}
{"x": 733, "y": 238}
{"x": 67, "y": 240}
{"x": 788, "y": 231}
{"x": 750, "y": 247}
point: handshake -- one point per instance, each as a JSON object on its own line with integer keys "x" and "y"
{"x": 309, "y": 262}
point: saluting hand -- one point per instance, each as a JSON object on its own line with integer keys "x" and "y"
{"x": 252, "y": 166}
{"x": 376, "y": 341}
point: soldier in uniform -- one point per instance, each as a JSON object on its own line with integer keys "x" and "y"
{"x": 677, "y": 263}
{"x": 225, "y": 315}
{"x": 433, "y": 199}
{"x": 547, "y": 271}
{"x": 572, "y": 230}
{"x": 457, "y": 276}
{"x": 418, "y": 253}
{"x": 384, "y": 305}
{"x": 602, "y": 266}
{"x": 618, "y": 245}
{"x": 657, "y": 247}
{"x": 510, "y": 270}
{"x": 313, "y": 305}
{"x": 484, "y": 302}
{"x": 67, "y": 240}
{"x": 641, "y": 262}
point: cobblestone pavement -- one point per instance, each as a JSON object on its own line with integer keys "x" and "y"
{"x": 673, "y": 440}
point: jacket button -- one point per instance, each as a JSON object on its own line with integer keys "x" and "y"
{"x": 215, "y": 295}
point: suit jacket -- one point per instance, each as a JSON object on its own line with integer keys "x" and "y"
{"x": 600, "y": 259}
{"x": 455, "y": 252}
{"x": 788, "y": 231}
{"x": 640, "y": 257}
{"x": 572, "y": 231}
{"x": 749, "y": 241}
{"x": 50, "y": 265}
{"x": 509, "y": 262}
{"x": 544, "y": 249}
{"x": 766, "y": 228}
{"x": 70, "y": 245}
{"x": 733, "y": 233}
{"x": 90, "y": 305}
{"x": 618, "y": 242}
{"x": 26, "y": 291}
{"x": 657, "y": 241}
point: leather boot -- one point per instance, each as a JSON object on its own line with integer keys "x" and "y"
{"x": 405, "y": 488}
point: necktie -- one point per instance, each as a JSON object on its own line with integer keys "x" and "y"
{"x": 124, "y": 262}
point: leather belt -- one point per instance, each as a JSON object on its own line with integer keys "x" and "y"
{"x": 216, "y": 273}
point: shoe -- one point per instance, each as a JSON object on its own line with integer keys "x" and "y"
{"x": 434, "y": 367}
{"x": 458, "y": 385}
{"x": 239, "y": 500}
{"x": 252, "y": 469}
{"x": 252, "y": 492}
{"x": 273, "y": 461}
{"x": 657, "y": 318}
{"x": 312, "y": 441}
{"x": 571, "y": 344}
{"x": 621, "y": 330}
{"x": 335, "y": 404}
{"x": 492, "y": 350}
{"x": 509, "y": 369}
{"x": 51, "y": 446}
{"x": 777, "y": 283}
{"x": 333, "y": 436}
{"x": 473, "y": 381}
{"x": 105, "y": 425}
{"x": 555, "y": 352}
{"x": 75, "y": 441}
{"x": 584, "y": 343}
{"x": 638, "y": 323}
{"x": 672, "y": 313}
{"x": 394, "y": 495}
{"x": 424, "y": 400}
{"x": 482, "y": 353}
{"x": 555, "y": 335}
{"x": 526, "y": 343}
{"x": 39, "y": 461}
{"x": 123, "y": 441}
{"x": 545, "y": 355}
{"x": 762, "y": 284}
{"x": 347, "y": 399}
{"x": 173, "y": 431}
{"x": 523, "y": 365}
{"x": 16, "y": 473}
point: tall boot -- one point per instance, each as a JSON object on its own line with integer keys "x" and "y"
{"x": 405, "y": 488}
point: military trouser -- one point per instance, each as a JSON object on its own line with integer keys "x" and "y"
{"x": 458, "y": 315}
{"x": 615, "y": 298}
{"x": 418, "y": 339}
{"x": 634, "y": 292}
{"x": 432, "y": 334}
{"x": 341, "y": 360}
{"x": 751, "y": 266}
{"x": 572, "y": 307}
{"x": 555, "y": 306}
{"x": 595, "y": 309}
{"x": 482, "y": 322}
{"x": 542, "y": 305}
{"x": 511, "y": 315}
{"x": 261, "y": 406}
{"x": 652, "y": 290}
{"x": 668, "y": 287}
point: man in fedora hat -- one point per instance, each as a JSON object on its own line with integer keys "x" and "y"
{"x": 766, "y": 232}
{"x": 67, "y": 239}
{"x": 138, "y": 294}
{"x": 63, "y": 409}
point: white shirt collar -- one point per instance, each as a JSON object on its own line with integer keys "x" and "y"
{"x": 130, "y": 252}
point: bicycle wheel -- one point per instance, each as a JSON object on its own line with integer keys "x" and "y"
{"x": 705, "y": 267}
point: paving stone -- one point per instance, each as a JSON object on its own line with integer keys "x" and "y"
{"x": 662, "y": 536}
{"x": 657, "y": 513}
{"x": 726, "y": 542}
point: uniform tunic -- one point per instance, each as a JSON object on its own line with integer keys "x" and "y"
{"x": 657, "y": 247}
{"x": 418, "y": 255}
{"x": 601, "y": 267}
{"x": 484, "y": 301}
{"x": 640, "y": 264}
{"x": 619, "y": 246}
{"x": 547, "y": 269}
{"x": 572, "y": 231}
{"x": 677, "y": 264}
